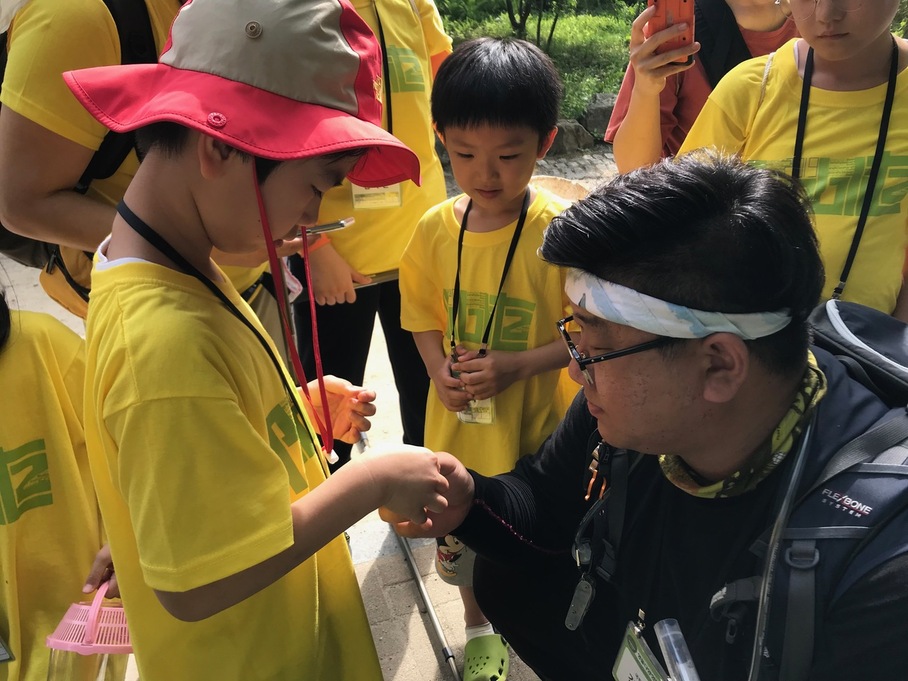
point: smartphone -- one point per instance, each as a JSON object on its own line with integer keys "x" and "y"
{"x": 326, "y": 227}
{"x": 671, "y": 12}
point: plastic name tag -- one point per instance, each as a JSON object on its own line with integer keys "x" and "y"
{"x": 479, "y": 411}
{"x": 636, "y": 661}
{"x": 376, "y": 197}
{"x": 5, "y": 654}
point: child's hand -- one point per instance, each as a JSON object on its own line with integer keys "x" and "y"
{"x": 650, "y": 68}
{"x": 484, "y": 376}
{"x": 450, "y": 389}
{"x": 102, "y": 570}
{"x": 332, "y": 277}
{"x": 411, "y": 481}
{"x": 460, "y": 498}
{"x": 349, "y": 405}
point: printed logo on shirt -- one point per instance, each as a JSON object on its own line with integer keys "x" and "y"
{"x": 405, "y": 70}
{"x": 837, "y": 185}
{"x": 510, "y": 330}
{"x": 24, "y": 481}
{"x": 283, "y": 434}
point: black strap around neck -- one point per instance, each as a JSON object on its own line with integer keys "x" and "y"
{"x": 877, "y": 157}
{"x": 455, "y": 303}
{"x": 145, "y": 230}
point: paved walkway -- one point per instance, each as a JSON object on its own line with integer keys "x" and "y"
{"x": 402, "y": 628}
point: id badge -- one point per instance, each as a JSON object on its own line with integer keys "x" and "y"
{"x": 365, "y": 198}
{"x": 479, "y": 411}
{"x": 636, "y": 661}
{"x": 5, "y": 654}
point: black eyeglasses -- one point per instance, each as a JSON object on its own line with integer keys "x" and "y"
{"x": 583, "y": 361}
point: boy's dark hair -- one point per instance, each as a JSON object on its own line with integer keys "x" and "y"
{"x": 499, "y": 82}
{"x": 706, "y": 231}
{"x": 170, "y": 138}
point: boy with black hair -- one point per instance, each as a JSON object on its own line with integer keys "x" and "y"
{"x": 224, "y": 530}
{"x": 475, "y": 294}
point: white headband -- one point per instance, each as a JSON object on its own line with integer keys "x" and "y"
{"x": 627, "y": 307}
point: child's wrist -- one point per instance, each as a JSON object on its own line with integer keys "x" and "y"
{"x": 320, "y": 241}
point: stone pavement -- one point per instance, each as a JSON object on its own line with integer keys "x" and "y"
{"x": 407, "y": 644}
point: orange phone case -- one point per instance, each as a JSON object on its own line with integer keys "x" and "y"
{"x": 671, "y": 12}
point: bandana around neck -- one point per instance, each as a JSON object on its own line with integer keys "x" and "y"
{"x": 628, "y": 307}
{"x": 769, "y": 455}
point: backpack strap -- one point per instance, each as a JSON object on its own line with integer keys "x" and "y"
{"x": 883, "y": 445}
{"x": 137, "y": 46}
{"x": 722, "y": 46}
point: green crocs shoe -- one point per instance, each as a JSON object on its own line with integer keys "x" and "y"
{"x": 486, "y": 658}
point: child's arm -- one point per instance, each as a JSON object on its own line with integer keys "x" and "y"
{"x": 488, "y": 375}
{"x": 438, "y": 366}
{"x": 332, "y": 277}
{"x": 405, "y": 480}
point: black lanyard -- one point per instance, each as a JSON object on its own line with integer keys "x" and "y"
{"x": 504, "y": 273}
{"x": 144, "y": 230}
{"x": 877, "y": 158}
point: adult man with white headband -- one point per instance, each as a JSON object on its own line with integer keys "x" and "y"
{"x": 691, "y": 282}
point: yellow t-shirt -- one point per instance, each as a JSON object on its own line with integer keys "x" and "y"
{"x": 49, "y": 522}
{"x": 839, "y": 145}
{"x": 413, "y": 34}
{"x": 531, "y": 301}
{"x": 48, "y": 37}
{"x": 196, "y": 459}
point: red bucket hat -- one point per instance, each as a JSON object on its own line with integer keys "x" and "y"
{"x": 280, "y": 79}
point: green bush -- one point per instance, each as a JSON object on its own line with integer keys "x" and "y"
{"x": 590, "y": 51}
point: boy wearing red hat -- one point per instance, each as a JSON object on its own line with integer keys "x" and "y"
{"x": 211, "y": 480}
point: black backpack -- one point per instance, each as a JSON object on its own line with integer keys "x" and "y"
{"x": 137, "y": 46}
{"x": 849, "y": 514}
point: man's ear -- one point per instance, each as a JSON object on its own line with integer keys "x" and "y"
{"x": 214, "y": 156}
{"x": 546, "y": 143}
{"x": 727, "y": 362}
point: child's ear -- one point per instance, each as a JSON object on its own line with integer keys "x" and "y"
{"x": 439, "y": 135}
{"x": 213, "y": 156}
{"x": 546, "y": 143}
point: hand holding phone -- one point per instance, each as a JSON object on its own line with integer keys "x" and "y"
{"x": 668, "y": 13}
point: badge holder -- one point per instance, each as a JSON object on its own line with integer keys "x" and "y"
{"x": 481, "y": 412}
{"x": 636, "y": 662}
{"x": 366, "y": 198}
